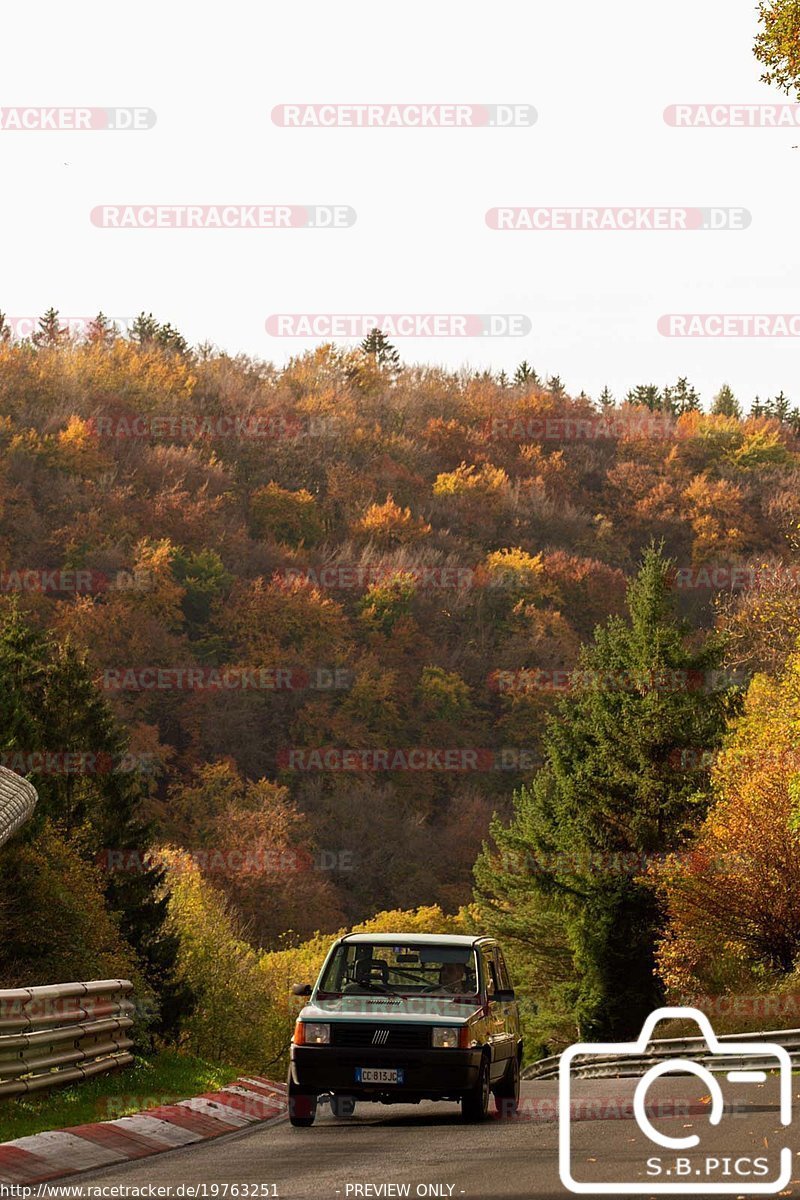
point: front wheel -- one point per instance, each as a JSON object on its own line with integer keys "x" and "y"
{"x": 506, "y": 1093}
{"x": 302, "y": 1106}
{"x": 475, "y": 1103}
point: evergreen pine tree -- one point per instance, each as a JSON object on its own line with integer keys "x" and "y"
{"x": 170, "y": 339}
{"x": 684, "y": 397}
{"x": 147, "y": 331}
{"x": 778, "y": 407}
{"x": 49, "y": 702}
{"x": 725, "y": 403}
{"x": 50, "y": 332}
{"x": 101, "y": 331}
{"x": 381, "y": 349}
{"x": 566, "y": 872}
{"x": 645, "y": 395}
{"x": 525, "y": 376}
{"x": 606, "y": 400}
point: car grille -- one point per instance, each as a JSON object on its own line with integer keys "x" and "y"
{"x": 389, "y": 1036}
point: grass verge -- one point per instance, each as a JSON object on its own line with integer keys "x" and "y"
{"x": 162, "y": 1079}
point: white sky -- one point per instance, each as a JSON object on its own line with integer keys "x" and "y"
{"x": 599, "y": 75}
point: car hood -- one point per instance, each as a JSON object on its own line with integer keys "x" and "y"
{"x": 427, "y": 1011}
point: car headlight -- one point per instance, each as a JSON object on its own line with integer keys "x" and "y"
{"x": 316, "y": 1033}
{"x": 445, "y": 1037}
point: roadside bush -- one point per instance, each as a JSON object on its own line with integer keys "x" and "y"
{"x": 56, "y": 926}
{"x": 234, "y": 1020}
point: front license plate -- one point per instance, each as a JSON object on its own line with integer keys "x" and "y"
{"x": 378, "y": 1075}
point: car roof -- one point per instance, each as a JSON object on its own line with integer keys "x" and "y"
{"x": 415, "y": 939}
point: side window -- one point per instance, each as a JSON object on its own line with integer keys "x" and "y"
{"x": 505, "y": 979}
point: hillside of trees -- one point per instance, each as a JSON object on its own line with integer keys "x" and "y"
{"x": 284, "y": 648}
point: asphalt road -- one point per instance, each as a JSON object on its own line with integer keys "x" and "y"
{"x": 428, "y": 1148}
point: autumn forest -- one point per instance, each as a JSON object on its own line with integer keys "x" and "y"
{"x": 283, "y": 648}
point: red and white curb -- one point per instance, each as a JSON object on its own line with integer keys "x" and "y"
{"x": 45, "y": 1156}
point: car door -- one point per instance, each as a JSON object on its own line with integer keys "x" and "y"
{"x": 511, "y": 1008}
{"x": 498, "y": 1035}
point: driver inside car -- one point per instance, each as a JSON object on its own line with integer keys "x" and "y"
{"x": 452, "y": 977}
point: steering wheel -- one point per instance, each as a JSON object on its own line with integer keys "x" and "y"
{"x": 366, "y": 985}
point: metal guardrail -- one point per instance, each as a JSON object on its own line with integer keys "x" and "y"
{"x": 608, "y": 1066}
{"x": 17, "y": 802}
{"x": 50, "y": 1036}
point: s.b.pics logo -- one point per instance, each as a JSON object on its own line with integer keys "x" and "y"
{"x": 719, "y": 1156}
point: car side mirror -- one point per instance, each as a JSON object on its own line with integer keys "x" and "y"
{"x": 301, "y": 989}
{"x": 503, "y": 996}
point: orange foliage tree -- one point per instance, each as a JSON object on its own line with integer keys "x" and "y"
{"x": 733, "y": 901}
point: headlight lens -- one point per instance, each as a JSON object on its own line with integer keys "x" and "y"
{"x": 317, "y": 1033}
{"x": 445, "y": 1037}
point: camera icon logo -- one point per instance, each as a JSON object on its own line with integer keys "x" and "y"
{"x": 678, "y": 1171}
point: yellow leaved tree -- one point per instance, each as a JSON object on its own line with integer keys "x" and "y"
{"x": 733, "y": 901}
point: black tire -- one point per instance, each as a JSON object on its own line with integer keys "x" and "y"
{"x": 475, "y": 1103}
{"x": 302, "y": 1106}
{"x": 506, "y": 1092}
{"x": 343, "y": 1106}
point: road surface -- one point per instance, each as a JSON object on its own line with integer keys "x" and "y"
{"x": 426, "y": 1150}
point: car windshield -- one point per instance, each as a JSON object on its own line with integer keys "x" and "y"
{"x": 364, "y": 968}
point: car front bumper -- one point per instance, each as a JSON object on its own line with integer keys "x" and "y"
{"x": 427, "y": 1074}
